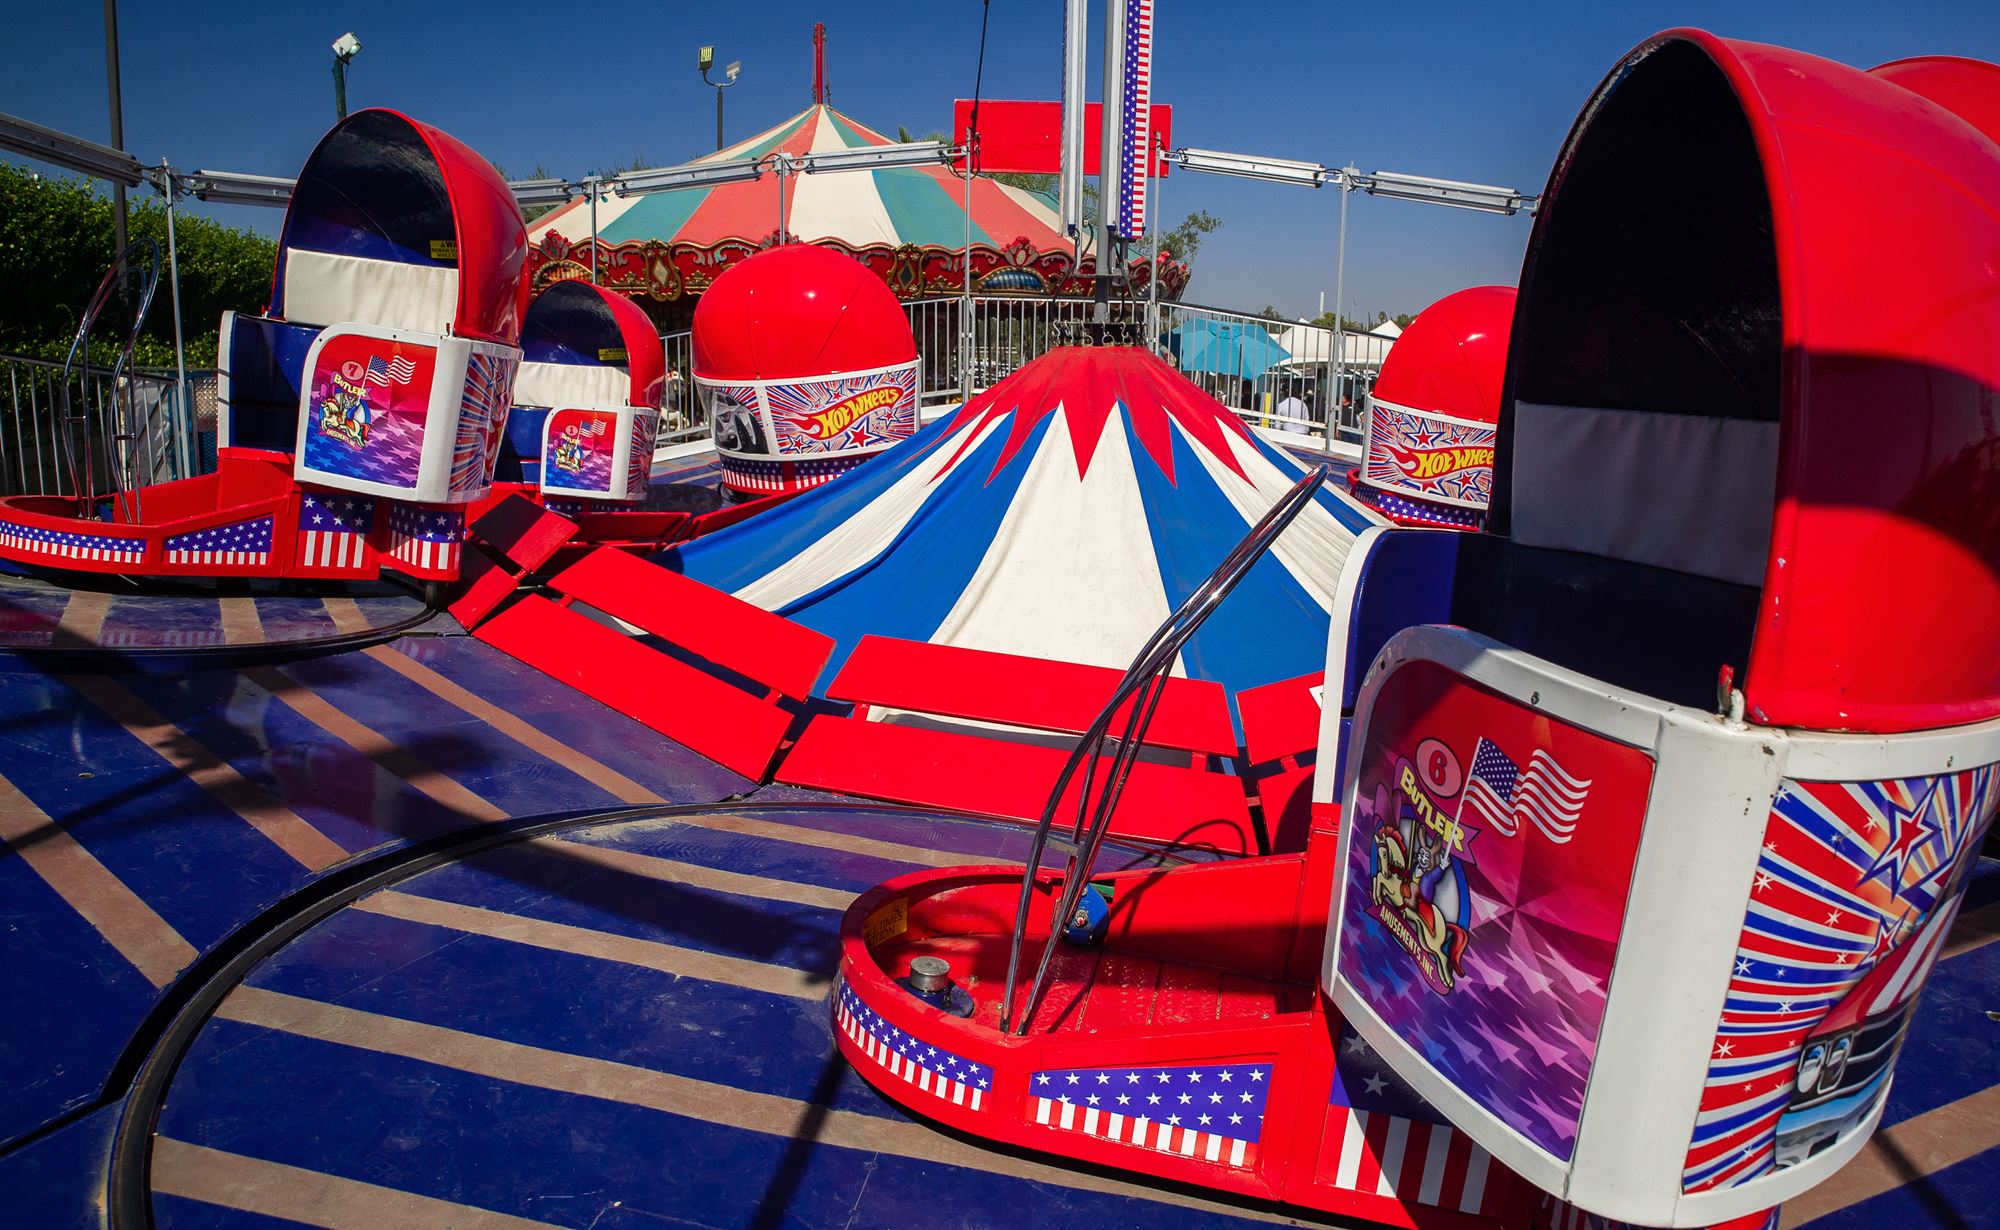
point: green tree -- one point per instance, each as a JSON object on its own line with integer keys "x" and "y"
{"x": 55, "y": 243}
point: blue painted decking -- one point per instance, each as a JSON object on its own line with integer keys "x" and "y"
{"x": 622, "y": 1025}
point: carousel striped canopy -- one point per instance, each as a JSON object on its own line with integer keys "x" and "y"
{"x": 924, "y": 206}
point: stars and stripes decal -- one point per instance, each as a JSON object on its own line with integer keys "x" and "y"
{"x": 1853, "y": 894}
{"x": 482, "y": 416}
{"x": 1214, "y": 1112}
{"x": 333, "y": 529}
{"x": 426, "y": 538}
{"x": 240, "y": 544}
{"x": 783, "y": 475}
{"x": 64, "y": 544}
{"x": 1135, "y": 125}
{"x": 1382, "y": 1139}
{"x": 1499, "y": 794}
{"x": 930, "y": 1068}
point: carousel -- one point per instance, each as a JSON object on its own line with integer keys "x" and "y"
{"x": 911, "y": 225}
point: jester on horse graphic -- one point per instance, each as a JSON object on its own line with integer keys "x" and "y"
{"x": 1418, "y": 892}
{"x": 344, "y": 412}
{"x": 568, "y": 452}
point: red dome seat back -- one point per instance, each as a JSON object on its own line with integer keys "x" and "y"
{"x": 587, "y": 398}
{"x": 396, "y": 306}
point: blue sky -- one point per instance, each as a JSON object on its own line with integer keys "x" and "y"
{"x": 1474, "y": 91}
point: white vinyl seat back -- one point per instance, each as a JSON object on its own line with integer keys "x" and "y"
{"x": 327, "y": 288}
{"x": 572, "y": 384}
{"x": 1687, "y": 492}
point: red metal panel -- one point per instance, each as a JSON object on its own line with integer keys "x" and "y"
{"x": 1037, "y": 693}
{"x": 1280, "y": 719}
{"x": 732, "y": 633}
{"x": 1025, "y": 136}
{"x": 729, "y": 726}
{"x": 909, "y": 764}
{"x": 523, "y": 532}
{"x": 1287, "y": 801}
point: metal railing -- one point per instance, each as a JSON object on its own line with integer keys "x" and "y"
{"x": 33, "y": 457}
{"x": 1272, "y": 373}
{"x": 1006, "y": 333}
{"x": 682, "y": 416}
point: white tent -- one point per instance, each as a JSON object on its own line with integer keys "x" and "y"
{"x": 1312, "y": 345}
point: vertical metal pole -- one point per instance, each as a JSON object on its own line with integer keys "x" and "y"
{"x": 718, "y": 117}
{"x": 116, "y": 96}
{"x": 783, "y": 166}
{"x": 1339, "y": 289}
{"x": 184, "y": 425}
{"x": 965, "y": 326}
{"x": 591, "y": 183}
{"x": 1069, "y": 185}
{"x": 1153, "y": 282}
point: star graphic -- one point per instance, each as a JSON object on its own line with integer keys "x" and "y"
{"x": 1375, "y": 1084}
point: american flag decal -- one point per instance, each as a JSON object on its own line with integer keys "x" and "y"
{"x": 392, "y": 371}
{"x": 1210, "y": 1111}
{"x": 1381, "y": 1139}
{"x": 1135, "y": 145}
{"x": 930, "y": 1068}
{"x": 426, "y": 538}
{"x": 244, "y": 543}
{"x": 1857, "y": 886}
{"x": 333, "y": 529}
{"x": 1499, "y": 794}
{"x": 61, "y": 544}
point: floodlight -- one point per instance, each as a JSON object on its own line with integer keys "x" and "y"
{"x": 347, "y": 46}
{"x": 735, "y": 67}
{"x": 878, "y": 157}
{"x": 1485, "y": 198}
{"x": 686, "y": 175}
{"x": 529, "y": 193}
{"x": 70, "y": 153}
{"x": 1251, "y": 166}
{"x": 236, "y": 188}
{"x": 705, "y": 58}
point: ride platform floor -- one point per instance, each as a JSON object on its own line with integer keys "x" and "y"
{"x": 619, "y": 1022}
{"x": 120, "y": 616}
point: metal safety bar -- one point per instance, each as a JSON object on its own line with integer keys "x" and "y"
{"x": 1144, "y": 679}
{"x": 128, "y": 431}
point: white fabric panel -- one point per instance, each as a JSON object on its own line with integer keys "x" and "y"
{"x": 1070, "y": 573}
{"x": 1672, "y": 490}
{"x": 324, "y": 288}
{"x": 571, "y": 384}
{"x": 857, "y": 541}
{"x": 844, "y": 206}
{"x": 1313, "y": 548}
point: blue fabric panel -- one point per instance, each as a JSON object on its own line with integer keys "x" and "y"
{"x": 736, "y": 555}
{"x": 908, "y": 590}
{"x": 1268, "y": 628}
{"x": 267, "y": 363}
{"x": 1350, "y": 517}
{"x": 521, "y": 446}
{"x": 1406, "y": 581}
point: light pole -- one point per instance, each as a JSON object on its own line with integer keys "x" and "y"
{"x": 345, "y": 48}
{"x": 705, "y": 62}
